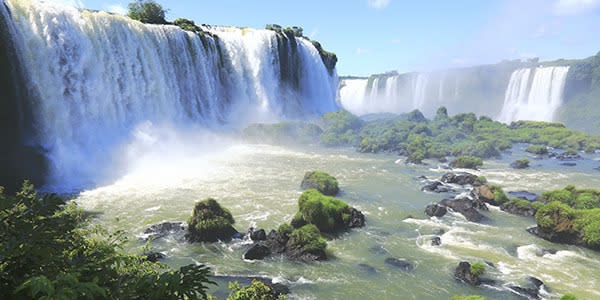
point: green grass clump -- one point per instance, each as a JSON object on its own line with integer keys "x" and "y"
{"x": 477, "y": 268}
{"x": 499, "y": 195}
{"x": 537, "y": 149}
{"x": 482, "y": 179}
{"x": 467, "y": 162}
{"x": 327, "y": 213}
{"x": 519, "y": 203}
{"x": 322, "y": 182}
{"x": 568, "y": 297}
{"x": 309, "y": 238}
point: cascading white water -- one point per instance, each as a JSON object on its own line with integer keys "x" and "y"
{"x": 389, "y": 94}
{"x": 96, "y": 76}
{"x": 534, "y": 94}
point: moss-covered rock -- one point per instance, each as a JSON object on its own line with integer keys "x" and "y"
{"x": 210, "y": 222}
{"x": 522, "y": 163}
{"x": 256, "y": 290}
{"x": 307, "y": 240}
{"x": 537, "y": 149}
{"x": 321, "y": 181}
{"x": 466, "y": 162}
{"x": 327, "y": 213}
{"x": 521, "y": 207}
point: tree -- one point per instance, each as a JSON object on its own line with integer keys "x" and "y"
{"x": 147, "y": 11}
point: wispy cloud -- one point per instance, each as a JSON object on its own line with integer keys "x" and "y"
{"x": 378, "y": 3}
{"x": 527, "y": 55}
{"x": 575, "y": 7}
{"x": 117, "y": 8}
{"x": 361, "y": 51}
{"x": 396, "y": 41}
{"x": 313, "y": 34}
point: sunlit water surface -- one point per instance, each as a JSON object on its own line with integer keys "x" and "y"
{"x": 260, "y": 185}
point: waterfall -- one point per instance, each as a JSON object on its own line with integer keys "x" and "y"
{"x": 533, "y": 94}
{"x": 95, "y": 76}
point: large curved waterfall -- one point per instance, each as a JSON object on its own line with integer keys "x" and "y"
{"x": 534, "y": 94}
{"x": 94, "y": 77}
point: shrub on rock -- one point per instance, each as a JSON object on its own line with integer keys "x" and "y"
{"x": 466, "y": 162}
{"x": 210, "y": 222}
{"x": 257, "y": 290}
{"x": 522, "y": 163}
{"x": 321, "y": 181}
{"x": 327, "y": 213}
{"x": 477, "y": 268}
{"x": 306, "y": 243}
{"x": 499, "y": 195}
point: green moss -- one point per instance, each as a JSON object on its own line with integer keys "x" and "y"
{"x": 537, "y": 149}
{"x": 285, "y": 229}
{"x": 309, "y": 238}
{"x": 576, "y": 198}
{"x": 327, "y": 213}
{"x": 468, "y": 162}
{"x": 477, "y": 268}
{"x": 568, "y": 297}
{"x": 537, "y": 205}
{"x": 340, "y": 128}
{"x": 322, "y": 182}
{"x": 519, "y": 203}
{"x": 482, "y": 179}
{"x": 499, "y": 195}
{"x": 210, "y": 221}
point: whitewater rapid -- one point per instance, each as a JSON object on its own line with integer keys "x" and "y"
{"x": 96, "y": 77}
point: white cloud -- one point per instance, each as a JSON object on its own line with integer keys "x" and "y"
{"x": 575, "y": 7}
{"x": 117, "y": 8}
{"x": 313, "y": 34}
{"x": 528, "y": 55}
{"x": 378, "y": 3}
{"x": 396, "y": 41}
{"x": 361, "y": 51}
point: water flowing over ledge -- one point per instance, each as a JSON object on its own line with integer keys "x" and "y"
{"x": 94, "y": 77}
{"x": 517, "y": 93}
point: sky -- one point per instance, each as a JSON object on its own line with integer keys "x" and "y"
{"x": 375, "y": 36}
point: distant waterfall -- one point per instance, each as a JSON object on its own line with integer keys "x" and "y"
{"x": 95, "y": 76}
{"x": 389, "y": 94}
{"x": 533, "y": 94}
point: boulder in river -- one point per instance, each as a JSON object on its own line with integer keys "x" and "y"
{"x": 163, "y": 229}
{"x": 464, "y": 207}
{"x": 257, "y": 251}
{"x": 464, "y": 274}
{"x": 210, "y": 222}
{"x": 435, "y": 210}
{"x": 531, "y": 290}
{"x": 399, "y": 263}
{"x": 437, "y": 187}
{"x": 320, "y": 181}
{"x": 462, "y": 178}
{"x": 436, "y": 241}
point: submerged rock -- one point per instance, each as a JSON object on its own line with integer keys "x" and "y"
{"x": 464, "y": 207}
{"x": 399, "y": 263}
{"x": 514, "y": 208}
{"x": 152, "y": 257}
{"x": 163, "y": 229}
{"x": 257, "y": 235}
{"x": 568, "y": 156}
{"x": 569, "y": 164}
{"x": 531, "y": 291}
{"x": 435, "y": 210}
{"x": 463, "y": 273}
{"x": 368, "y": 268}
{"x": 257, "y": 251}
{"x": 378, "y": 250}
{"x": 523, "y": 195}
{"x": 356, "y": 219}
{"x": 436, "y": 241}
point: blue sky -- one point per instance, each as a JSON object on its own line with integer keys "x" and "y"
{"x": 373, "y": 36}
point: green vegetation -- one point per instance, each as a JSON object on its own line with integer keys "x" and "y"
{"x": 327, "y": 213}
{"x": 50, "y": 251}
{"x": 477, "y": 268}
{"x": 499, "y": 195}
{"x": 210, "y": 222}
{"x": 560, "y": 218}
{"x": 188, "y": 25}
{"x": 468, "y": 162}
{"x": 537, "y": 149}
{"x": 256, "y": 291}
{"x": 147, "y": 11}
{"x": 521, "y": 163}
{"x": 568, "y": 297}
{"x": 340, "y": 128}
{"x": 482, "y": 179}
{"x": 283, "y": 133}
{"x": 285, "y": 229}
{"x": 309, "y": 238}
{"x": 473, "y": 297}
{"x": 575, "y": 198}
{"x": 525, "y": 204}
{"x": 322, "y": 182}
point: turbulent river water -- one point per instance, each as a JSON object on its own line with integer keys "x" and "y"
{"x": 260, "y": 185}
